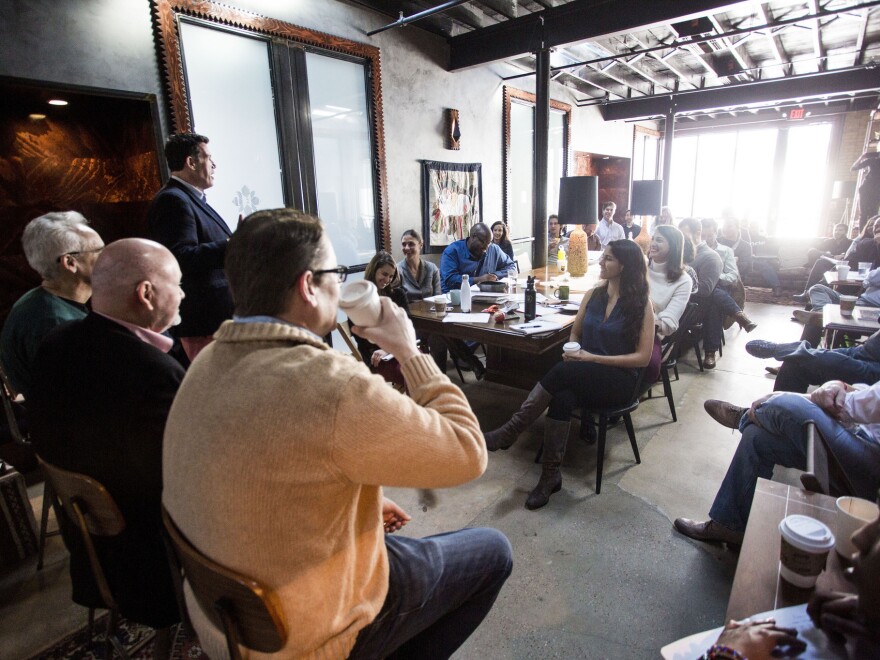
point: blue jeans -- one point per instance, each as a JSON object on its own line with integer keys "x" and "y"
{"x": 718, "y": 306}
{"x": 440, "y": 589}
{"x": 821, "y": 295}
{"x": 781, "y": 440}
{"x": 814, "y": 366}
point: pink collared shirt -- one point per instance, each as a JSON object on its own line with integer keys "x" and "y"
{"x": 154, "y": 339}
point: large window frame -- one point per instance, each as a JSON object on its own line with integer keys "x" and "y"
{"x": 289, "y": 44}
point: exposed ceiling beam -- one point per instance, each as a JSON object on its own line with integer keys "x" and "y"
{"x": 606, "y": 71}
{"x": 507, "y": 8}
{"x": 859, "y": 54}
{"x": 775, "y": 42}
{"x": 742, "y": 59}
{"x": 729, "y": 96}
{"x": 576, "y": 21}
{"x": 817, "y": 35}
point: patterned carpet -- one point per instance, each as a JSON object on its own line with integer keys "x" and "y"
{"x": 761, "y": 295}
{"x": 137, "y": 640}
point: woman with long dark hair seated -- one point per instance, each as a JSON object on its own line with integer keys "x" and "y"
{"x": 501, "y": 239}
{"x": 670, "y": 285}
{"x": 382, "y": 271}
{"x": 615, "y": 328}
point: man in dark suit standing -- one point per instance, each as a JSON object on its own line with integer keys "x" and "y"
{"x": 181, "y": 220}
{"x": 102, "y": 390}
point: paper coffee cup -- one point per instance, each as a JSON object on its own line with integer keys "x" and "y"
{"x": 803, "y": 549}
{"x": 440, "y": 307}
{"x": 853, "y": 513}
{"x": 848, "y": 305}
{"x": 570, "y": 347}
{"x": 842, "y": 272}
{"x": 360, "y": 301}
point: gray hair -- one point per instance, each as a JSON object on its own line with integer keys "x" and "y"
{"x": 50, "y": 236}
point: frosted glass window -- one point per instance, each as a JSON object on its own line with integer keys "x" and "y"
{"x": 803, "y": 180}
{"x": 681, "y": 186}
{"x": 343, "y": 157}
{"x": 753, "y": 175}
{"x": 522, "y": 170}
{"x": 229, "y": 81}
{"x": 555, "y": 159}
{"x": 714, "y": 174}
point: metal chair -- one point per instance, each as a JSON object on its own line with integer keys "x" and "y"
{"x": 673, "y": 346}
{"x": 94, "y": 512}
{"x": 247, "y": 612}
{"x": 22, "y": 440}
{"x": 824, "y": 474}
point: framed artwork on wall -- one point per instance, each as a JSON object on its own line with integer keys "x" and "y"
{"x": 452, "y": 201}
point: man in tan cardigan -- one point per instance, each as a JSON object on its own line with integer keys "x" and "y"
{"x": 277, "y": 448}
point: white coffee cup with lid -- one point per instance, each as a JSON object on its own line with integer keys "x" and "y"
{"x": 571, "y": 347}
{"x": 360, "y": 301}
{"x": 853, "y": 513}
{"x": 803, "y": 549}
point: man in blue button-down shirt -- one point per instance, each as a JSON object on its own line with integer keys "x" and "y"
{"x": 476, "y": 256}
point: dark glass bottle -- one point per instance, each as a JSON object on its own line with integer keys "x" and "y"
{"x": 531, "y": 298}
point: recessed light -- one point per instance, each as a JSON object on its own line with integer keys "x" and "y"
{"x": 57, "y": 102}
{"x": 36, "y": 116}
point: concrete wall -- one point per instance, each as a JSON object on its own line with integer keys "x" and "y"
{"x": 110, "y": 44}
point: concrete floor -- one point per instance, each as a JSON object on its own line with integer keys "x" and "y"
{"x": 595, "y": 576}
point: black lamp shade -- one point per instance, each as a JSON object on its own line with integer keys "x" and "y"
{"x": 578, "y": 200}
{"x": 647, "y": 197}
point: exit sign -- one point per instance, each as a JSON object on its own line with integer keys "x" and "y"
{"x": 796, "y": 113}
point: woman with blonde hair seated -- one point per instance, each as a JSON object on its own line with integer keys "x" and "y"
{"x": 615, "y": 328}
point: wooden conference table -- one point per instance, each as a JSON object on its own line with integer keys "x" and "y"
{"x": 512, "y": 358}
{"x": 757, "y": 586}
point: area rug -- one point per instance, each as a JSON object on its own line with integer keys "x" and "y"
{"x": 756, "y": 294}
{"x": 137, "y": 640}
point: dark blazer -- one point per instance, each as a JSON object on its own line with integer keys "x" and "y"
{"x": 197, "y": 236}
{"x": 98, "y": 405}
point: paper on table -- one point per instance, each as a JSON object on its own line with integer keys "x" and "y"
{"x": 440, "y": 297}
{"x": 818, "y": 645}
{"x": 539, "y": 311}
{"x": 457, "y": 317}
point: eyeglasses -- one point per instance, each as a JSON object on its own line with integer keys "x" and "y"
{"x": 341, "y": 272}
{"x": 73, "y": 254}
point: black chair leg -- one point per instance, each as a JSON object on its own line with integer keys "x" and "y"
{"x": 540, "y": 453}
{"x": 627, "y": 419}
{"x": 699, "y": 354}
{"x": 675, "y": 371}
{"x": 667, "y": 390}
{"x": 600, "y": 451}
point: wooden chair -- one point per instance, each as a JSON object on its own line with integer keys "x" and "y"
{"x": 94, "y": 512}
{"x": 246, "y": 611}
{"x": 23, "y": 441}
{"x": 342, "y": 329}
{"x": 824, "y": 474}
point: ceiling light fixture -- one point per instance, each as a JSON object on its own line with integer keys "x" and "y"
{"x": 57, "y": 102}
{"x": 36, "y": 116}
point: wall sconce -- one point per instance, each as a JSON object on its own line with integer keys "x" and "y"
{"x": 453, "y": 130}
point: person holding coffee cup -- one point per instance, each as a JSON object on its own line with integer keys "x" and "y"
{"x": 773, "y": 434}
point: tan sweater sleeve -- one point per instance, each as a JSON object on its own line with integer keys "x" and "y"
{"x": 429, "y": 439}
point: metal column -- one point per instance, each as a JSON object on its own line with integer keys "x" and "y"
{"x": 669, "y": 129}
{"x": 542, "y": 130}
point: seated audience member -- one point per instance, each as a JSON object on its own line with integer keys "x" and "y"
{"x": 615, "y": 328}
{"x": 630, "y": 229}
{"x": 803, "y": 366}
{"x": 311, "y": 436}
{"x": 728, "y": 281}
{"x": 821, "y": 295}
{"x": 476, "y": 256}
{"x": 825, "y": 259}
{"x": 499, "y": 238}
{"x": 555, "y": 239}
{"x": 421, "y": 279}
{"x": 773, "y": 434}
{"x": 665, "y": 217}
{"x": 62, "y": 248}
{"x": 707, "y": 265}
{"x": 740, "y": 241}
{"x": 593, "y": 242}
{"x": 102, "y": 389}
{"x": 181, "y": 219}
{"x": 382, "y": 271}
{"x": 669, "y": 286}
{"x": 608, "y": 230}
{"x": 834, "y": 247}
{"x": 854, "y": 615}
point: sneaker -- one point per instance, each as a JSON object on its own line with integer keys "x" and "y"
{"x": 807, "y": 318}
{"x": 710, "y": 531}
{"x": 724, "y": 413}
{"x": 765, "y": 350}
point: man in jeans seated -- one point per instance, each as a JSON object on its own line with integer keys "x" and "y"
{"x": 773, "y": 434}
{"x": 803, "y": 366}
{"x": 277, "y": 448}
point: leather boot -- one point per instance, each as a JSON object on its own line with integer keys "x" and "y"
{"x": 745, "y": 322}
{"x": 529, "y": 411}
{"x": 555, "y": 439}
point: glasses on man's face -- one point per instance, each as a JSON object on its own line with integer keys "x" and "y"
{"x": 341, "y": 272}
{"x": 79, "y": 252}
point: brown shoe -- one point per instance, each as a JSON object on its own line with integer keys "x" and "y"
{"x": 807, "y": 318}
{"x": 773, "y": 371}
{"x": 745, "y": 322}
{"x": 709, "y": 360}
{"x": 710, "y": 531}
{"x": 724, "y": 413}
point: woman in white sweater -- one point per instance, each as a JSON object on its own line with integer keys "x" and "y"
{"x": 670, "y": 286}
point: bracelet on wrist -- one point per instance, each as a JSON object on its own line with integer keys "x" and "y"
{"x": 721, "y": 652}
